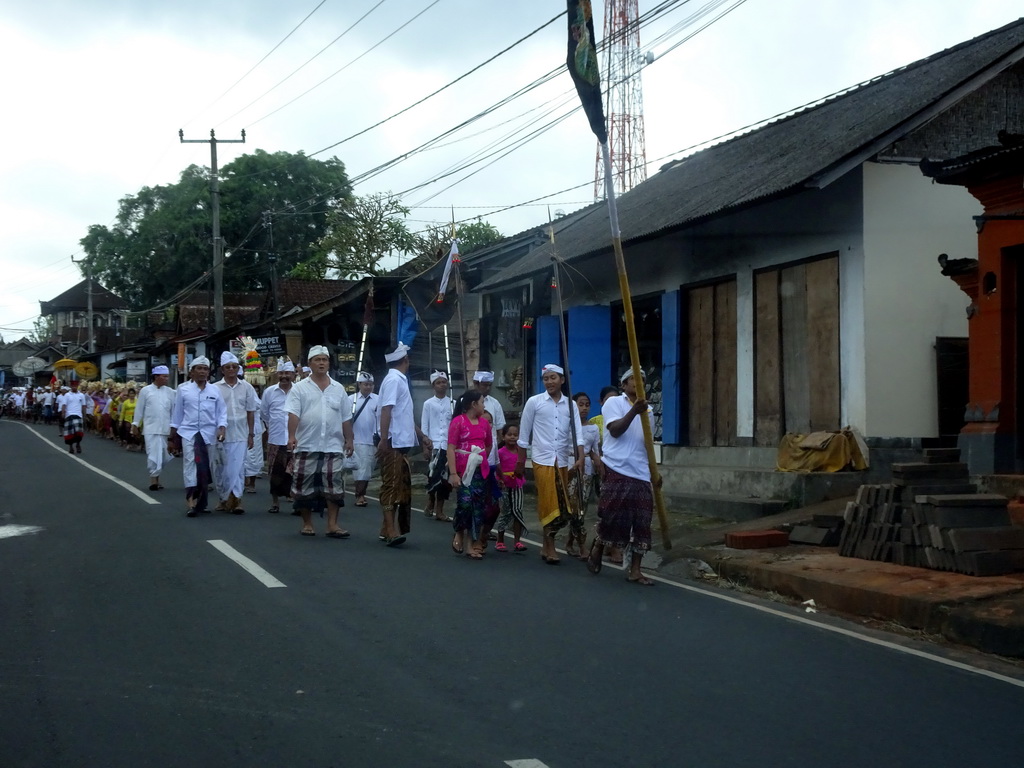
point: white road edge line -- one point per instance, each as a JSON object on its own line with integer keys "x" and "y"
{"x": 827, "y": 627}
{"x": 525, "y": 764}
{"x": 100, "y": 472}
{"x": 10, "y": 531}
{"x": 259, "y": 573}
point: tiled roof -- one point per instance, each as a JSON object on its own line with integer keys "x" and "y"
{"x": 77, "y": 298}
{"x": 306, "y": 293}
{"x": 803, "y": 150}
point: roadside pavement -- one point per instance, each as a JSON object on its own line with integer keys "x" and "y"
{"x": 985, "y": 613}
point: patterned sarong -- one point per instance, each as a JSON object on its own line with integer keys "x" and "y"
{"x": 280, "y": 477}
{"x": 511, "y": 509}
{"x": 580, "y": 487}
{"x": 316, "y": 478}
{"x": 73, "y": 430}
{"x": 437, "y": 475}
{"x": 197, "y": 472}
{"x": 396, "y": 487}
{"x": 471, "y": 507}
{"x": 625, "y": 512}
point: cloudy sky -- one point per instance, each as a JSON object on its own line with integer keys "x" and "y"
{"x": 95, "y": 91}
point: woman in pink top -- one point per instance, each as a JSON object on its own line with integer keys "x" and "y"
{"x": 469, "y": 442}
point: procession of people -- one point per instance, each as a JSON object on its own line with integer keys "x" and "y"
{"x": 309, "y": 437}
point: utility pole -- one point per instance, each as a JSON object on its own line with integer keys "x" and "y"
{"x": 218, "y": 244}
{"x": 268, "y": 224}
{"x": 88, "y": 276}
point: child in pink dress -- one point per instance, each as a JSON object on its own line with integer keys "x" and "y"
{"x": 511, "y": 491}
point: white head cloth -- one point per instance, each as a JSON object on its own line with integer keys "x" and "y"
{"x": 483, "y": 376}
{"x": 306, "y": 369}
{"x": 319, "y": 349}
{"x": 363, "y": 377}
{"x": 551, "y": 367}
{"x": 438, "y": 375}
{"x": 161, "y": 370}
{"x": 199, "y": 361}
{"x": 228, "y": 357}
{"x": 629, "y": 373}
{"x": 286, "y": 367}
{"x": 400, "y": 351}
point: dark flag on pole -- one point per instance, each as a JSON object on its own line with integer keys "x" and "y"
{"x": 582, "y": 63}
{"x": 424, "y": 292}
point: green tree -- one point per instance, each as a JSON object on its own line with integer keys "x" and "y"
{"x": 161, "y": 238}
{"x": 471, "y": 237}
{"x": 361, "y": 232}
{"x": 43, "y": 329}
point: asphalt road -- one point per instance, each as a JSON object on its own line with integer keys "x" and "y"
{"x": 128, "y": 639}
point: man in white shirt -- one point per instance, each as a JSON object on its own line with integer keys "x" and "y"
{"x": 626, "y": 506}
{"x": 47, "y": 399}
{"x": 272, "y": 410}
{"x": 199, "y": 418}
{"x": 320, "y": 435}
{"x": 435, "y": 417}
{"x": 365, "y": 433}
{"x": 58, "y": 409}
{"x": 73, "y": 417}
{"x": 241, "y": 404}
{"x": 397, "y": 437}
{"x": 551, "y": 425}
{"x": 153, "y": 418}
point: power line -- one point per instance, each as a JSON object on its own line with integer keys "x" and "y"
{"x": 357, "y": 58}
{"x": 253, "y": 67}
{"x": 308, "y": 61}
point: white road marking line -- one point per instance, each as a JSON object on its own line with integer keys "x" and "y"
{"x": 10, "y": 531}
{"x": 819, "y": 625}
{"x": 525, "y": 764}
{"x": 799, "y": 619}
{"x": 97, "y": 470}
{"x": 259, "y": 573}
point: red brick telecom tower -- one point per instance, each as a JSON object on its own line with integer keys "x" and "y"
{"x": 623, "y": 98}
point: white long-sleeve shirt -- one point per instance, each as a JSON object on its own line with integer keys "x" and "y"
{"x": 545, "y": 426}
{"x": 434, "y": 420}
{"x": 240, "y": 400}
{"x": 153, "y": 409}
{"x": 273, "y": 413}
{"x": 199, "y": 411}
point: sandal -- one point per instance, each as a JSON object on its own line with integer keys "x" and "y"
{"x": 594, "y": 559}
{"x": 643, "y": 581}
{"x": 500, "y": 547}
{"x": 442, "y": 518}
{"x": 456, "y": 546}
{"x": 274, "y": 510}
{"x": 519, "y": 547}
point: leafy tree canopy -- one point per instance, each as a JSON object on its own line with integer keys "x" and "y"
{"x": 161, "y": 238}
{"x": 361, "y": 231}
{"x": 471, "y": 236}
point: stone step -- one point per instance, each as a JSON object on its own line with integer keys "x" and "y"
{"x": 795, "y": 488}
{"x": 924, "y": 469}
{"x": 964, "y": 517}
{"x": 964, "y": 500}
{"x": 724, "y": 506}
{"x": 911, "y": 492}
{"x": 941, "y": 455}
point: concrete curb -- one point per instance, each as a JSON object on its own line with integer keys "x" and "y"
{"x": 984, "y": 613}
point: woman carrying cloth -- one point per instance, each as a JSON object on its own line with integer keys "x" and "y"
{"x": 469, "y": 442}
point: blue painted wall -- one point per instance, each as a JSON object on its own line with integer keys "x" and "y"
{"x": 672, "y": 368}
{"x": 590, "y": 350}
{"x": 549, "y": 347}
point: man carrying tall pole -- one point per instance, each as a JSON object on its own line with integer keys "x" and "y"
{"x": 582, "y": 63}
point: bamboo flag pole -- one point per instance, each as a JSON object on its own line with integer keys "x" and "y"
{"x": 581, "y": 61}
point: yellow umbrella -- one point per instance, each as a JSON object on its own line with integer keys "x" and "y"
{"x": 86, "y": 370}
{"x": 65, "y": 365}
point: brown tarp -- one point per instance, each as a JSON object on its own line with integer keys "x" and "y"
{"x": 820, "y": 452}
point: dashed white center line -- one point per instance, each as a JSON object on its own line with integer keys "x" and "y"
{"x": 258, "y": 572}
{"x": 525, "y": 764}
{"x": 10, "y": 531}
